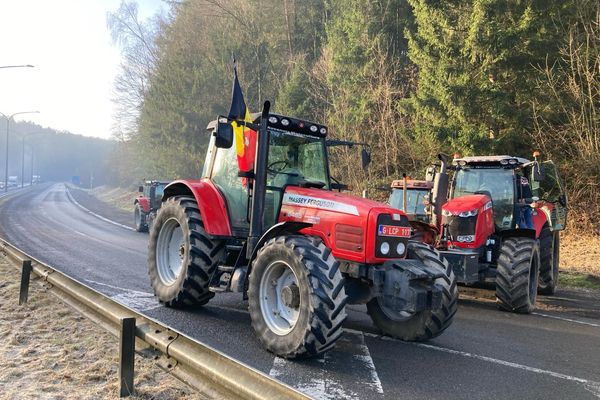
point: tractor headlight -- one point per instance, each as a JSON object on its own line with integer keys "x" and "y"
{"x": 465, "y": 238}
{"x": 285, "y": 122}
{"x": 400, "y": 248}
{"x": 385, "y": 248}
{"x": 313, "y": 128}
{"x": 273, "y": 120}
{"x": 470, "y": 213}
{"x": 323, "y": 131}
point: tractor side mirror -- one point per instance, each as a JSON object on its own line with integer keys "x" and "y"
{"x": 539, "y": 175}
{"x": 140, "y": 189}
{"x": 223, "y": 134}
{"x": 365, "y": 158}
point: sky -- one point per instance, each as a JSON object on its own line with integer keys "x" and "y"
{"x": 74, "y": 59}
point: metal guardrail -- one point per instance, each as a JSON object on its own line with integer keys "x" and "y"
{"x": 211, "y": 372}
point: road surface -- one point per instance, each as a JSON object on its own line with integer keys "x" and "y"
{"x": 486, "y": 353}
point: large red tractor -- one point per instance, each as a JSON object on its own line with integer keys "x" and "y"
{"x": 500, "y": 220}
{"x": 297, "y": 250}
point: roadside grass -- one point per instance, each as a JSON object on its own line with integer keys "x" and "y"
{"x": 119, "y": 197}
{"x": 48, "y": 350}
{"x": 578, "y": 280}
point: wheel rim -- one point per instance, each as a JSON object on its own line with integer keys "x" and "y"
{"x": 170, "y": 251}
{"x": 397, "y": 316}
{"x": 280, "y": 297}
{"x": 138, "y": 217}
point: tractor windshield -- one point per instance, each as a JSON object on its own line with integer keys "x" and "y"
{"x": 294, "y": 157}
{"x": 498, "y": 183}
{"x": 415, "y": 202}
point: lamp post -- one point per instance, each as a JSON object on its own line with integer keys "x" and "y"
{"x": 25, "y": 136}
{"x": 8, "y": 118}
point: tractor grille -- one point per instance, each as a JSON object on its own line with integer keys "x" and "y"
{"x": 461, "y": 226}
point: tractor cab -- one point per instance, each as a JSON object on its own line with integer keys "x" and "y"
{"x": 413, "y": 197}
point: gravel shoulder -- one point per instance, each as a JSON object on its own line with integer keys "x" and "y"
{"x": 49, "y": 351}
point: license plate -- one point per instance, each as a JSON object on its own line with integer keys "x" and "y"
{"x": 397, "y": 231}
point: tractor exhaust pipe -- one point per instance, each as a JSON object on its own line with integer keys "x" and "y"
{"x": 260, "y": 182}
{"x": 440, "y": 191}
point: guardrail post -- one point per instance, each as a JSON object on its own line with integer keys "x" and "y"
{"x": 25, "y": 275}
{"x": 126, "y": 356}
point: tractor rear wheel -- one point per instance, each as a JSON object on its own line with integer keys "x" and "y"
{"x": 139, "y": 217}
{"x": 423, "y": 325}
{"x": 549, "y": 261}
{"x": 296, "y": 296}
{"x": 517, "y": 275}
{"x": 181, "y": 256}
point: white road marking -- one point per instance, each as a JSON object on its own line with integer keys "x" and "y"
{"x": 567, "y": 319}
{"x": 110, "y": 221}
{"x": 350, "y": 353}
{"x": 592, "y": 386}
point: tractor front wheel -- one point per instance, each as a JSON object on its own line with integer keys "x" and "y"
{"x": 517, "y": 275}
{"x": 139, "y": 217}
{"x": 549, "y": 260}
{"x": 296, "y": 296}
{"x": 423, "y": 325}
{"x": 181, "y": 256}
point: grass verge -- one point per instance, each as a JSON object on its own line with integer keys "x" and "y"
{"x": 578, "y": 280}
{"x": 49, "y": 351}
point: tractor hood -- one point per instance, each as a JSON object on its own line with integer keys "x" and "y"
{"x": 348, "y": 224}
{"x": 465, "y": 203}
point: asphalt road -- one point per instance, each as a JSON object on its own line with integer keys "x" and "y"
{"x": 486, "y": 353}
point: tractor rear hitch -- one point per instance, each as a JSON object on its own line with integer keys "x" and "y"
{"x": 407, "y": 285}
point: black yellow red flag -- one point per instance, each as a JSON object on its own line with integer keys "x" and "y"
{"x": 245, "y": 138}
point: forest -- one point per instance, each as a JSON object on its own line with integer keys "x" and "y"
{"x": 410, "y": 77}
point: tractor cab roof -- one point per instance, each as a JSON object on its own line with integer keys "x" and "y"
{"x": 286, "y": 124}
{"x": 412, "y": 184}
{"x": 503, "y": 161}
{"x": 156, "y": 182}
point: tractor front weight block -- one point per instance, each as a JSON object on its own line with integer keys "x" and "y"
{"x": 407, "y": 285}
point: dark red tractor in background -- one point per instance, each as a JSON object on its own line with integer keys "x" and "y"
{"x": 147, "y": 204}
{"x": 272, "y": 227}
{"x": 499, "y": 220}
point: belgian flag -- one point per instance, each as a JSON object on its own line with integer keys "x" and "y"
{"x": 245, "y": 138}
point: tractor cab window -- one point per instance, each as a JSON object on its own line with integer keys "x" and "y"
{"x": 415, "y": 202}
{"x": 293, "y": 158}
{"x": 498, "y": 183}
{"x": 550, "y": 188}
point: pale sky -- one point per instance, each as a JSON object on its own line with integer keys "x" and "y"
{"x": 75, "y": 62}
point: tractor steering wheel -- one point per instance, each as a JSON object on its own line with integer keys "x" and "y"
{"x": 274, "y": 171}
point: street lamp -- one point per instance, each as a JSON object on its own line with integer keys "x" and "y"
{"x": 25, "y": 136}
{"x": 7, "y": 131}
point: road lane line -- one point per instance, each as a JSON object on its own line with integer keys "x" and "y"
{"x": 317, "y": 378}
{"x": 592, "y": 386}
{"x": 110, "y": 221}
{"x": 567, "y": 319}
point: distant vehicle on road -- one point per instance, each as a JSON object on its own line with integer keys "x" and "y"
{"x": 2, "y": 185}
{"x": 36, "y": 179}
{"x": 12, "y": 181}
{"x": 147, "y": 204}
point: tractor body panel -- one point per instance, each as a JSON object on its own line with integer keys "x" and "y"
{"x": 351, "y": 226}
{"x": 469, "y": 219}
{"x": 144, "y": 202}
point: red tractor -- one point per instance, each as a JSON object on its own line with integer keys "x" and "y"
{"x": 500, "y": 221}
{"x": 297, "y": 250}
{"x": 147, "y": 204}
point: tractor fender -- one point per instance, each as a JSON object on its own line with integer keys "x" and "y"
{"x": 289, "y": 227}
{"x": 143, "y": 201}
{"x": 211, "y": 203}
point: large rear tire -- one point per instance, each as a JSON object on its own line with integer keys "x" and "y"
{"x": 296, "y": 297}
{"x": 549, "y": 261}
{"x": 181, "y": 256}
{"x": 139, "y": 218}
{"x": 423, "y": 325}
{"x": 517, "y": 275}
